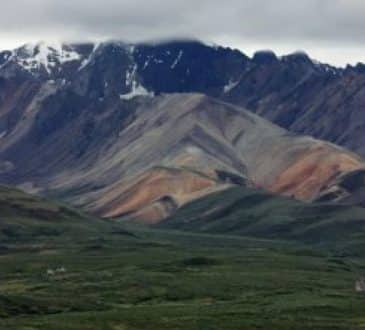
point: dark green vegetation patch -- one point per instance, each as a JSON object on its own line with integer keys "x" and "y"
{"x": 245, "y": 212}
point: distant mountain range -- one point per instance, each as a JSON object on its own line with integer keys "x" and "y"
{"x": 140, "y": 130}
{"x": 293, "y": 91}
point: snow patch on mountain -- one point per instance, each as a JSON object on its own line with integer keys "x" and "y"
{"x": 87, "y": 60}
{"x": 231, "y": 85}
{"x": 131, "y": 75}
{"x": 177, "y": 60}
{"x": 47, "y": 55}
{"x": 7, "y": 59}
{"x": 326, "y": 67}
{"x": 136, "y": 88}
{"x": 147, "y": 63}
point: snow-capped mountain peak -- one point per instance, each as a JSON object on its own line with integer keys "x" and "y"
{"x": 45, "y": 55}
{"x": 40, "y": 59}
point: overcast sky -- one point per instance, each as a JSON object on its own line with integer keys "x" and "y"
{"x": 329, "y": 30}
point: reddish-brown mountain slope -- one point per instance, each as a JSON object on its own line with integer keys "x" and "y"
{"x": 147, "y": 156}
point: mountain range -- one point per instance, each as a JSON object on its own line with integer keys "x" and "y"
{"x": 138, "y": 131}
{"x": 293, "y": 91}
{"x": 179, "y": 185}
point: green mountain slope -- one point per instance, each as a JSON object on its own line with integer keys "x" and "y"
{"x": 24, "y": 217}
{"x": 242, "y": 211}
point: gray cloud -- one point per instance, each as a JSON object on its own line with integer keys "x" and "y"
{"x": 315, "y": 25}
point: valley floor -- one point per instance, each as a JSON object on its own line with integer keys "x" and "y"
{"x": 169, "y": 280}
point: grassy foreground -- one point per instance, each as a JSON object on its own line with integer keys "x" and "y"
{"x": 170, "y": 280}
{"x": 60, "y": 269}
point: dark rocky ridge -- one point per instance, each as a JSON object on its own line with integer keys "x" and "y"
{"x": 293, "y": 91}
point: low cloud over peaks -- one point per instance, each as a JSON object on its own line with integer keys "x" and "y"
{"x": 319, "y": 26}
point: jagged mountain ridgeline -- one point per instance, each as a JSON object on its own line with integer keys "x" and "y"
{"x": 293, "y": 91}
{"x": 138, "y": 131}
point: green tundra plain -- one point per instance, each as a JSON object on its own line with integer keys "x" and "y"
{"x": 63, "y": 270}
